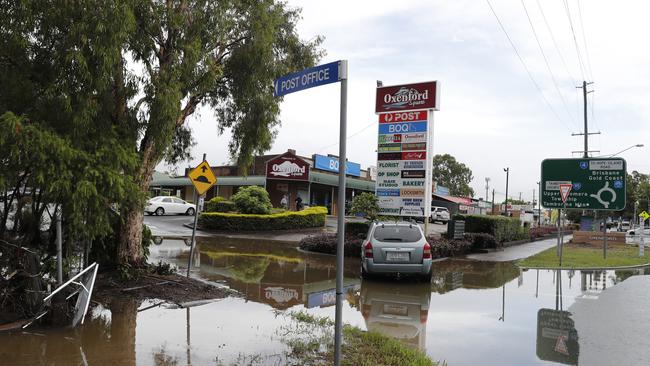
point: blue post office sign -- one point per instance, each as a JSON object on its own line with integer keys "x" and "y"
{"x": 309, "y": 78}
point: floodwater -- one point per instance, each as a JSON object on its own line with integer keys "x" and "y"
{"x": 473, "y": 313}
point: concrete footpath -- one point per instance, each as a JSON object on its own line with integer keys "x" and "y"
{"x": 518, "y": 251}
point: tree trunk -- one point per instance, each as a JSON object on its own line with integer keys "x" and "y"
{"x": 129, "y": 249}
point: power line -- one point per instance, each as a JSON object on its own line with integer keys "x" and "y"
{"x": 574, "y": 82}
{"x": 575, "y": 41}
{"x": 349, "y": 137}
{"x": 526, "y": 67}
{"x": 584, "y": 40}
{"x": 550, "y": 71}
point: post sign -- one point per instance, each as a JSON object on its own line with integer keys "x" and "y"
{"x": 595, "y": 183}
{"x": 408, "y": 97}
{"x": 288, "y": 167}
{"x": 202, "y": 177}
{"x": 308, "y": 78}
{"x": 404, "y": 163}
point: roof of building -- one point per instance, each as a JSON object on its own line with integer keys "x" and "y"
{"x": 459, "y": 200}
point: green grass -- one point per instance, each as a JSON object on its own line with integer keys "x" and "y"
{"x": 310, "y": 339}
{"x": 586, "y": 257}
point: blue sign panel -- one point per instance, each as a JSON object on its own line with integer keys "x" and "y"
{"x": 441, "y": 191}
{"x": 307, "y": 78}
{"x": 390, "y": 128}
{"x": 332, "y": 165}
{"x": 388, "y": 192}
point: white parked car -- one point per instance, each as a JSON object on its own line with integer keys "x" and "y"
{"x": 169, "y": 205}
{"x": 634, "y": 236}
{"x": 439, "y": 214}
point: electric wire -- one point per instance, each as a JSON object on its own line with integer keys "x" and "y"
{"x": 584, "y": 40}
{"x": 523, "y": 63}
{"x": 574, "y": 81}
{"x": 548, "y": 66}
{"x": 575, "y": 40}
{"x": 348, "y": 138}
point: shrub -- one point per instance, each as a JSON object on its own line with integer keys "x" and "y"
{"x": 219, "y": 204}
{"x": 252, "y": 200}
{"x": 310, "y": 217}
{"x": 482, "y": 241}
{"x": 365, "y": 204}
{"x": 357, "y": 229}
{"x": 503, "y": 228}
{"x": 441, "y": 247}
{"x": 326, "y": 243}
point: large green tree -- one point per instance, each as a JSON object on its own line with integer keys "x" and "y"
{"x": 113, "y": 83}
{"x": 450, "y": 173}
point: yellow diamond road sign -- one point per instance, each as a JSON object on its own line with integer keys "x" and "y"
{"x": 202, "y": 178}
{"x": 644, "y": 215}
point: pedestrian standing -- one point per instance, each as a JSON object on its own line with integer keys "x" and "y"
{"x": 284, "y": 202}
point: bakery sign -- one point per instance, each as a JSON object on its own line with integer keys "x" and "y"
{"x": 407, "y": 97}
{"x": 288, "y": 167}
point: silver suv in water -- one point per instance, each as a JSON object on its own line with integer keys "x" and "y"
{"x": 396, "y": 247}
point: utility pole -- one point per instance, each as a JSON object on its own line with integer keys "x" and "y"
{"x": 519, "y": 196}
{"x": 586, "y": 132}
{"x": 487, "y": 187}
{"x": 507, "y": 170}
{"x": 492, "y": 201}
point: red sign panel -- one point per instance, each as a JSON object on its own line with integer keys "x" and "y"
{"x": 288, "y": 167}
{"x": 403, "y": 117}
{"x": 414, "y": 155}
{"x": 407, "y": 97}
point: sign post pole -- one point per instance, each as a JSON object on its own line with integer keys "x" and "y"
{"x": 202, "y": 179}
{"x": 338, "y": 323}
{"x": 565, "y": 189}
{"x": 605, "y": 237}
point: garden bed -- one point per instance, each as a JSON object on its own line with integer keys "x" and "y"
{"x": 289, "y": 220}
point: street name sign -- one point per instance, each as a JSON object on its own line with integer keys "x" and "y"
{"x": 202, "y": 178}
{"x": 309, "y": 78}
{"x": 596, "y": 183}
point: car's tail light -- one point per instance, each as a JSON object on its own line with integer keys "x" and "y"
{"x": 426, "y": 252}
{"x": 367, "y": 250}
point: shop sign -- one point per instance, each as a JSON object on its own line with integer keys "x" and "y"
{"x": 414, "y": 137}
{"x": 402, "y": 117}
{"x": 414, "y": 146}
{"x": 413, "y": 174}
{"x": 407, "y": 97}
{"x": 389, "y": 147}
{"x": 419, "y": 155}
{"x": 389, "y": 139}
{"x": 399, "y": 165}
{"x": 287, "y": 166}
{"x": 402, "y": 127}
{"x": 389, "y": 156}
{"x": 331, "y": 164}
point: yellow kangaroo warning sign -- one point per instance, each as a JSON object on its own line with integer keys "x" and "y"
{"x": 202, "y": 177}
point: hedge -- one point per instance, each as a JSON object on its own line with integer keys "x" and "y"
{"x": 357, "y": 229}
{"x": 503, "y": 228}
{"x": 310, "y": 217}
{"x": 219, "y": 204}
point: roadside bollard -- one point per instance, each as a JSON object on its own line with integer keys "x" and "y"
{"x": 641, "y": 246}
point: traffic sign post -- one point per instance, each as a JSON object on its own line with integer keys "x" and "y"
{"x": 305, "y": 79}
{"x": 642, "y": 216}
{"x": 565, "y": 189}
{"x": 202, "y": 178}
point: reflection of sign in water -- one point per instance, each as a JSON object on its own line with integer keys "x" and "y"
{"x": 557, "y": 338}
{"x": 281, "y": 295}
{"x": 328, "y": 297}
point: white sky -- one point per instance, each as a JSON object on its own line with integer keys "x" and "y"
{"x": 491, "y": 113}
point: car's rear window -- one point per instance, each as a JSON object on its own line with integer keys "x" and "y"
{"x": 397, "y": 233}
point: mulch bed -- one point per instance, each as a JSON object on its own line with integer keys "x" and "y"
{"x": 171, "y": 288}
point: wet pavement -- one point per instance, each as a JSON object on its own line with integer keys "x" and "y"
{"x": 472, "y": 313}
{"x": 518, "y": 251}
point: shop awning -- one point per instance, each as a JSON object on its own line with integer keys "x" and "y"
{"x": 333, "y": 180}
{"x": 164, "y": 180}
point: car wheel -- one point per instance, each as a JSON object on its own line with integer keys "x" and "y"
{"x": 148, "y": 213}
{"x": 160, "y": 211}
{"x": 190, "y": 211}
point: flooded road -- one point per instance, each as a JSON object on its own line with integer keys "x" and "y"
{"x": 473, "y": 313}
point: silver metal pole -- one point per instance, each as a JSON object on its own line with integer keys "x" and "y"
{"x": 196, "y": 216}
{"x": 59, "y": 249}
{"x": 338, "y": 324}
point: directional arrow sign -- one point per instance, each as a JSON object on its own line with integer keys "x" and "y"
{"x": 202, "y": 177}
{"x": 596, "y": 183}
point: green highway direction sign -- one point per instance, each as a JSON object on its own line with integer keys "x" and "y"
{"x": 597, "y": 183}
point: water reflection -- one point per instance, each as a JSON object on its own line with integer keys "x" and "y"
{"x": 398, "y": 310}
